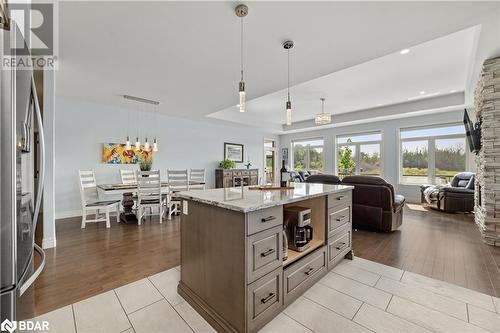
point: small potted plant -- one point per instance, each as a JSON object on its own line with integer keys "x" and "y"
{"x": 227, "y": 164}
{"x": 145, "y": 162}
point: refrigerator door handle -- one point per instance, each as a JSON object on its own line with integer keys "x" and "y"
{"x": 41, "y": 181}
{"x": 41, "y": 138}
{"x": 22, "y": 288}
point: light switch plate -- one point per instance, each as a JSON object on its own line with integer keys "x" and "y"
{"x": 184, "y": 207}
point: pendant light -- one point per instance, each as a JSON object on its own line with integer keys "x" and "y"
{"x": 128, "y": 146}
{"x": 323, "y": 118}
{"x": 146, "y": 143}
{"x": 241, "y": 11}
{"x": 287, "y": 46}
{"x": 137, "y": 142}
{"x": 155, "y": 143}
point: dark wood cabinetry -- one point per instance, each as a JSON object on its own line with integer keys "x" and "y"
{"x": 234, "y": 177}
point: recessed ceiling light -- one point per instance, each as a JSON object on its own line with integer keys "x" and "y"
{"x": 422, "y": 92}
{"x": 453, "y": 91}
{"x": 404, "y": 51}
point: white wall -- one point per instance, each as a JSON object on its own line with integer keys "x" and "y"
{"x": 82, "y": 128}
{"x": 389, "y": 129}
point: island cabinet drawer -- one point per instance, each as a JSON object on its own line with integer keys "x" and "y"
{"x": 297, "y": 278}
{"x": 264, "y": 219}
{"x": 264, "y": 253}
{"x": 341, "y": 199}
{"x": 264, "y": 299}
{"x": 339, "y": 243}
{"x": 338, "y": 217}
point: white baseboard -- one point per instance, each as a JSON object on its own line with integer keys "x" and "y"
{"x": 68, "y": 214}
{"x": 48, "y": 243}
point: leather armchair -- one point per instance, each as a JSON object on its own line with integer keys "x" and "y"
{"x": 324, "y": 179}
{"x": 457, "y": 197}
{"x": 374, "y": 204}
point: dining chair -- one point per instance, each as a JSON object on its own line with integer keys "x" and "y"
{"x": 197, "y": 175}
{"x": 90, "y": 200}
{"x": 177, "y": 181}
{"x": 128, "y": 176}
{"x": 149, "y": 194}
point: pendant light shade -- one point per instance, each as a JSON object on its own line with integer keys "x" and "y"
{"x": 155, "y": 146}
{"x": 146, "y": 145}
{"x": 242, "y": 95}
{"x": 289, "y": 113}
{"x": 137, "y": 144}
{"x": 287, "y": 46}
{"x": 323, "y": 118}
{"x": 241, "y": 11}
{"x": 128, "y": 146}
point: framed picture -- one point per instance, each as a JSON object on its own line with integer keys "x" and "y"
{"x": 233, "y": 152}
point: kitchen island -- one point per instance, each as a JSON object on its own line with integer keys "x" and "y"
{"x": 233, "y": 267}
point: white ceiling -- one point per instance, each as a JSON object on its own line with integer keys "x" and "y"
{"x": 430, "y": 69}
{"x": 186, "y": 54}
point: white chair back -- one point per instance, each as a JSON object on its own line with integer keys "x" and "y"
{"x": 128, "y": 176}
{"x": 88, "y": 187}
{"x": 177, "y": 180}
{"x": 148, "y": 187}
{"x": 197, "y": 175}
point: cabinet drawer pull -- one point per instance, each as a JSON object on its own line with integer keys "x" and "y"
{"x": 341, "y": 218}
{"x": 267, "y": 299}
{"x": 309, "y": 271}
{"x": 267, "y": 219}
{"x": 266, "y": 253}
{"x": 340, "y": 246}
{"x": 340, "y": 197}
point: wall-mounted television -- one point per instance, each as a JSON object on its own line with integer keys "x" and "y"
{"x": 473, "y": 132}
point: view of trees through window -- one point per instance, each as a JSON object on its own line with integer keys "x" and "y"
{"x": 432, "y": 154}
{"x": 359, "y": 154}
{"x": 308, "y": 155}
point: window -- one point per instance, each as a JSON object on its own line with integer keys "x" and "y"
{"x": 359, "y": 154}
{"x": 269, "y": 160}
{"x": 308, "y": 155}
{"x": 432, "y": 154}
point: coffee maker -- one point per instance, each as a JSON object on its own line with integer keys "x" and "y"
{"x": 298, "y": 224}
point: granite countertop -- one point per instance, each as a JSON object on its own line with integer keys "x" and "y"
{"x": 245, "y": 200}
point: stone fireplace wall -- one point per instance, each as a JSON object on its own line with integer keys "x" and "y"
{"x": 487, "y": 192}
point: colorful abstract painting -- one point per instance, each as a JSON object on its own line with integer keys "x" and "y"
{"x": 115, "y": 153}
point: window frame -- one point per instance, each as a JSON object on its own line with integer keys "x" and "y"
{"x": 431, "y": 149}
{"x": 292, "y": 155}
{"x": 358, "y": 153}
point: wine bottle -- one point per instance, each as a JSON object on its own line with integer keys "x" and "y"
{"x": 284, "y": 175}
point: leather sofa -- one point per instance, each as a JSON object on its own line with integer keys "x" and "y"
{"x": 324, "y": 179}
{"x": 374, "y": 204}
{"x": 457, "y": 197}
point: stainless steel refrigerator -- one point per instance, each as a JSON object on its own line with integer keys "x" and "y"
{"x": 20, "y": 197}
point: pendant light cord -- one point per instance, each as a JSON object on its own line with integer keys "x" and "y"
{"x": 241, "y": 48}
{"x": 288, "y": 82}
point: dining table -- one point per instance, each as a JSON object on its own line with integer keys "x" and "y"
{"x": 127, "y": 191}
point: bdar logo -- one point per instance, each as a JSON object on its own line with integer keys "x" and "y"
{"x": 8, "y": 326}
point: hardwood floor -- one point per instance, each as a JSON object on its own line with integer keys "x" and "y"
{"x": 443, "y": 246}
{"x": 90, "y": 261}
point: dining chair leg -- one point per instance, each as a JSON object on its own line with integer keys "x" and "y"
{"x": 161, "y": 214}
{"x": 84, "y": 218}
{"x": 118, "y": 213}
{"x": 108, "y": 225}
{"x": 139, "y": 215}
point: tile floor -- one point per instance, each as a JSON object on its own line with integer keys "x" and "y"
{"x": 356, "y": 296}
